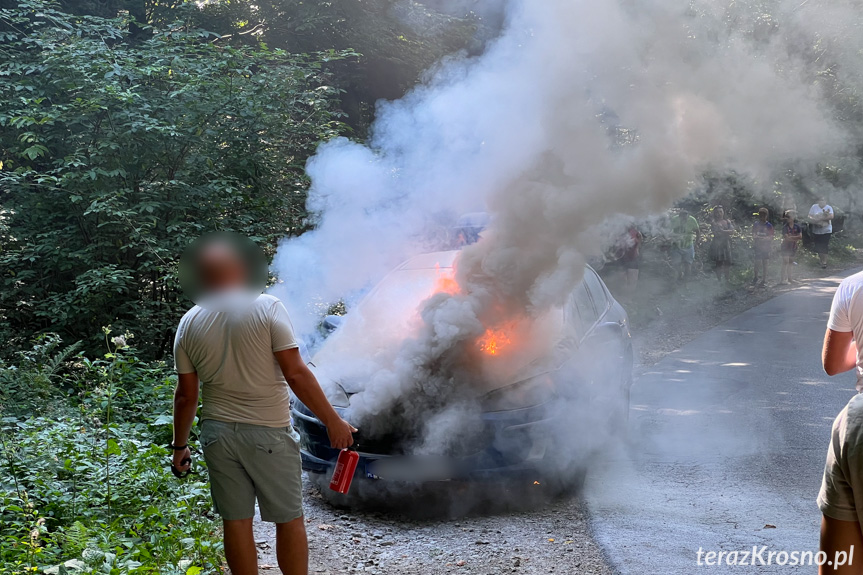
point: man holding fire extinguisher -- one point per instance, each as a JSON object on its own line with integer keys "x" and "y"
{"x": 240, "y": 345}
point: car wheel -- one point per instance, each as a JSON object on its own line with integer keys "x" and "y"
{"x": 565, "y": 482}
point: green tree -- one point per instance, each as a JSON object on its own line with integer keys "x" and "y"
{"x": 115, "y": 154}
{"x": 397, "y": 40}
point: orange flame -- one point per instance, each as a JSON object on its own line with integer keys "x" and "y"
{"x": 493, "y": 341}
{"x": 446, "y": 282}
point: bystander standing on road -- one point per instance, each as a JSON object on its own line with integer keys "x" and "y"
{"x": 792, "y": 233}
{"x": 762, "y": 245}
{"x": 686, "y": 234}
{"x": 841, "y": 496}
{"x": 628, "y": 252}
{"x": 240, "y": 346}
{"x": 720, "y": 245}
{"x": 821, "y": 219}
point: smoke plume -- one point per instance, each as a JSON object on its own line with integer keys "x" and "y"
{"x": 580, "y": 111}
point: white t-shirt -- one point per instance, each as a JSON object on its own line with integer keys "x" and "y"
{"x": 846, "y": 314}
{"x": 825, "y": 227}
{"x": 233, "y": 356}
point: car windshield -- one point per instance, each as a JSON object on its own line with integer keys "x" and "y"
{"x": 385, "y": 317}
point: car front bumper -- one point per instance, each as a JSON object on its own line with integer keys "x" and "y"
{"x": 517, "y": 441}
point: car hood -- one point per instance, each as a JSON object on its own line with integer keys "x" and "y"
{"x": 352, "y": 357}
{"x": 374, "y": 333}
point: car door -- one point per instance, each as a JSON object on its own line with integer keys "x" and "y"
{"x": 600, "y": 369}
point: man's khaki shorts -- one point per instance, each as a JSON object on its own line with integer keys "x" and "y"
{"x": 251, "y": 461}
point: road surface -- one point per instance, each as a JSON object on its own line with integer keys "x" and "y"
{"x": 728, "y": 437}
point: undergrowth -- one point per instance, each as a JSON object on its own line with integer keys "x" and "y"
{"x": 84, "y": 480}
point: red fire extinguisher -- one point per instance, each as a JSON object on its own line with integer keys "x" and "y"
{"x": 343, "y": 474}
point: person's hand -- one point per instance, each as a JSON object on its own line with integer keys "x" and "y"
{"x": 181, "y": 456}
{"x": 340, "y": 433}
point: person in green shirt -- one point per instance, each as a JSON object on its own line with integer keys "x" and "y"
{"x": 685, "y": 234}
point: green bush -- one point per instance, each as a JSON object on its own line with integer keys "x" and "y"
{"x": 117, "y": 151}
{"x": 84, "y": 483}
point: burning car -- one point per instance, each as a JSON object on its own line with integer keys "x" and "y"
{"x": 545, "y": 411}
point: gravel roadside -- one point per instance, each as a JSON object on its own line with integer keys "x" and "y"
{"x": 552, "y": 538}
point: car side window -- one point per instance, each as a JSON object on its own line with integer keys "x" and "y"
{"x": 584, "y": 305}
{"x": 597, "y": 292}
{"x": 573, "y": 317}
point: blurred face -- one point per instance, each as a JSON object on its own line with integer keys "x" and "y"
{"x": 822, "y": 202}
{"x": 762, "y": 215}
{"x": 221, "y": 267}
{"x": 719, "y": 212}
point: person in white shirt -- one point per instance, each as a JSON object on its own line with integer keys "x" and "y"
{"x": 821, "y": 220}
{"x": 841, "y": 495}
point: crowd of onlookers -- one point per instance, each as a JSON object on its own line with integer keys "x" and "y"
{"x": 684, "y": 233}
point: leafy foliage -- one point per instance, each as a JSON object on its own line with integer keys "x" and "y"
{"x": 115, "y": 153}
{"x": 84, "y": 485}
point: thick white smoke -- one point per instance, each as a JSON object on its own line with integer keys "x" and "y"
{"x": 530, "y": 131}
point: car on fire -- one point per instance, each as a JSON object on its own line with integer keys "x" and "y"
{"x": 526, "y": 423}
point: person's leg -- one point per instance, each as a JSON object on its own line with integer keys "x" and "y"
{"x": 677, "y": 262}
{"x": 827, "y": 248}
{"x": 273, "y": 461}
{"x": 839, "y": 540}
{"x": 233, "y": 493}
{"x": 783, "y": 272}
{"x": 240, "y": 548}
{"x": 764, "y": 270}
{"x": 631, "y": 279}
{"x": 822, "y": 241}
{"x": 292, "y": 547}
{"x": 688, "y": 257}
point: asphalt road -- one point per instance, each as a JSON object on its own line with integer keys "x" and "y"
{"x": 728, "y": 437}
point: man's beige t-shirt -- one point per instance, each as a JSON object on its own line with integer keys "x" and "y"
{"x": 232, "y": 352}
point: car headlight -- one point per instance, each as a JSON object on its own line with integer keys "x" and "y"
{"x": 527, "y": 393}
{"x": 336, "y": 395}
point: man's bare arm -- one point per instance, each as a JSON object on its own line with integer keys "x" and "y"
{"x": 839, "y": 353}
{"x": 306, "y": 387}
{"x": 185, "y": 408}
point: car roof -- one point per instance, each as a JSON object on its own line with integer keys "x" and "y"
{"x": 431, "y": 260}
{"x": 436, "y": 260}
